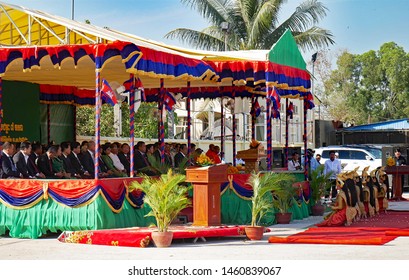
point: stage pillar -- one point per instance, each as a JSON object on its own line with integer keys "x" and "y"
{"x": 206, "y": 193}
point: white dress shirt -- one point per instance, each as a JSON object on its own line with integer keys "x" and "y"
{"x": 117, "y": 162}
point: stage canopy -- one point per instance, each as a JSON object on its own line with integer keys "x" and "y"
{"x": 52, "y": 50}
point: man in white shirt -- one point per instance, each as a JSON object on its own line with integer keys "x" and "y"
{"x": 333, "y": 166}
{"x": 114, "y": 156}
{"x": 294, "y": 163}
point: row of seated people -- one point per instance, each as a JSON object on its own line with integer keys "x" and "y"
{"x": 358, "y": 197}
{"x": 75, "y": 160}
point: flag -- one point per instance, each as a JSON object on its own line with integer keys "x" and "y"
{"x": 310, "y": 101}
{"x": 169, "y": 100}
{"x": 107, "y": 93}
{"x": 290, "y": 110}
{"x": 272, "y": 94}
{"x": 128, "y": 84}
{"x": 275, "y": 114}
{"x": 255, "y": 108}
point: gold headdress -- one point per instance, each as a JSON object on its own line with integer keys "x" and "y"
{"x": 355, "y": 172}
{"x": 341, "y": 180}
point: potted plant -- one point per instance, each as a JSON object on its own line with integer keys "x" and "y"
{"x": 320, "y": 186}
{"x": 166, "y": 197}
{"x": 283, "y": 198}
{"x": 261, "y": 201}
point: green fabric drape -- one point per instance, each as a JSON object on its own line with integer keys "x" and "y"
{"x": 49, "y": 216}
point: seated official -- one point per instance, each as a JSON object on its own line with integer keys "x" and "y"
{"x": 8, "y": 167}
{"x": 21, "y": 159}
{"x": 67, "y": 164}
{"x": 124, "y": 157}
{"x": 181, "y": 160}
{"x": 115, "y": 158}
{"x": 106, "y": 151}
{"x": 141, "y": 163}
{"x": 87, "y": 160}
{"x": 76, "y": 162}
{"x": 45, "y": 163}
{"x": 35, "y": 151}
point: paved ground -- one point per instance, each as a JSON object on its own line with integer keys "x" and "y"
{"x": 214, "y": 249}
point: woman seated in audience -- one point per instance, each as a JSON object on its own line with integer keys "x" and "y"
{"x": 58, "y": 165}
{"x": 106, "y": 150}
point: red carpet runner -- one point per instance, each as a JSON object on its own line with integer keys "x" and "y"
{"x": 140, "y": 237}
{"x": 378, "y": 230}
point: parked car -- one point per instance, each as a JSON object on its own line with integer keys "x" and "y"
{"x": 352, "y": 156}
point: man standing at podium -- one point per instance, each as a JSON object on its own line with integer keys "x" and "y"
{"x": 399, "y": 161}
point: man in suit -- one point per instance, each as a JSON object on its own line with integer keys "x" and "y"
{"x": 21, "y": 160}
{"x": 141, "y": 163}
{"x": 36, "y": 151}
{"x": 75, "y": 161}
{"x": 124, "y": 157}
{"x": 8, "y": 168}
{"x": 68, "y": 167}
{"x": 181, "y": 160}
{"x": 87, "y": 160}
{"x": 45, "y": 165}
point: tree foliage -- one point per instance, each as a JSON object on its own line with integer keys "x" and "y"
{"x": 254, "y": 24}
{"x": 146, "y": 121}
{"x": 369, "y": 87}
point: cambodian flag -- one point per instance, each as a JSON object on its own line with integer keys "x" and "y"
{"x": 169, "y": 101}
{"x": 310, "y": 101}
{"x": 256, "y": 109}
{"x": 275, "y": 114}
{"x": 128, "y": 84}
{"x": 107, "y": 93}
{"x": 290, "y": 110}
{"x": 272, "y": 94}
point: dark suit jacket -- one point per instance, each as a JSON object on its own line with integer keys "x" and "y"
{"x": 179, "y": 157}
{"x": 68, "y": 167}
{"x": 7, "y": 167}
{"x": 21, "y": 165}
{"x": 45, "y": 166}
{"x": 76, "y": 164}
{"x": 31, "y": 165}
{"x": 140, "y": 161}
{"x": 89, "y": 165}
{"x": 125, "y": 161}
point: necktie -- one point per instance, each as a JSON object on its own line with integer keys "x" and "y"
{"x": 33, "y": 164}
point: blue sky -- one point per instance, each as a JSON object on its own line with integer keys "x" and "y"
{"x": 358, "y": 25}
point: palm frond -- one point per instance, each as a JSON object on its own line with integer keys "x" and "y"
{"x": 216, "y": 11}
{"x": 197, "y": 39}
{"x": 314, "y": 38}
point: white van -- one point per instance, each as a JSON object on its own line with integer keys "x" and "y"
{"x": 354, "y": 156}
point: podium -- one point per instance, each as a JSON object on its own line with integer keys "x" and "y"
{"x": 206, "y": 193}
{"x": 252, "y": 158}
{"x": 397, "y": 172}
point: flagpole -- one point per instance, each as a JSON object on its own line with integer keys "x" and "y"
{"x": 97, "y": 120}
{"x": 161, "y": 125}
{"x": 131, "y": 124}
{"x": 188, "y": 120}
{"x": 286, "y": 133}
{"x": 305, "y": 140}
{"x": 221, "y": 127}
{"x": 1, "y": 106}
{"x": 234, "y": 126}
{"x": 253, "y": 118}
{"x": 268, "y": 113}
{"x": 48, "y": 125}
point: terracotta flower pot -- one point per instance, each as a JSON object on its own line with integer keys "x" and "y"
{"x": 254, "y": 233}
{"x": 162, "y": 239}
{"x": 318, "y": 210}
{"x": 283, "y": 218}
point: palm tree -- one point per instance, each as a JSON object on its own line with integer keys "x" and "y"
{"x": 253, "y": 24}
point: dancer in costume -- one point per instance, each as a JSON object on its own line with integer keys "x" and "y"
{"x": 352, "y": 198}
{"x": 375, "y": 187}
{"x": 382, "y": 188}
{"x": 338, "y": 216}
{"x": 359, "y": 193}
{"x": 367, "y": 189}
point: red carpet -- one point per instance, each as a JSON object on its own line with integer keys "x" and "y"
{"x": 378, "y": 230}
{"x": 140, "y": 237}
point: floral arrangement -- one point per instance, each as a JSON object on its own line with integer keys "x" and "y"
{"x": 390, "y": 161}
{"x": 232, "y": 170}
{"x": 254, "y": 144}
{"x": 204, "y": 160}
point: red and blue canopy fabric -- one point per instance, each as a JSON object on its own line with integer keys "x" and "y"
{"x": 23, "y": 194}
{"x": 137, "y": 60}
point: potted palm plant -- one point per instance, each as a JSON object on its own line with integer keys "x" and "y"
{"x": 166, "y": 197}
{"x": 283, "y": 198}
{"x": 261, "y": 200}
{"x": 320, "y": 186}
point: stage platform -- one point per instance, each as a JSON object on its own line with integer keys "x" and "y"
{"x": 31, "y": 208}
